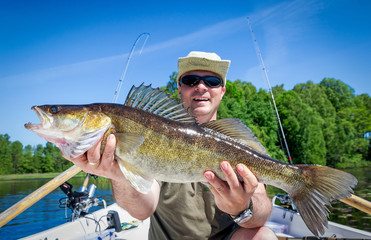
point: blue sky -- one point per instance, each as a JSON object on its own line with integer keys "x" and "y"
{"x": 73, "y": 52}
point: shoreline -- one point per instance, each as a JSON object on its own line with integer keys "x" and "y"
{"x": 26, "y": 176}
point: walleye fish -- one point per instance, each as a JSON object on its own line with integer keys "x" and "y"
{"x": 158, "y": 139}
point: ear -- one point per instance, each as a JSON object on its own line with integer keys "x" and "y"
{"x": 222, "y": 93}
{"x": 179, "y": 91}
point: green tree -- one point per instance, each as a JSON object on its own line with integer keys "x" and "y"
{"x": 363, "y": 121}
{"x": 315, "y": 96}
{"x": 361, "y": 114}
{"x": 38, "y": 157}
{"x": 60, "y": 163}
{"x": 303, "y": 129}
{"x": 48, "y": 160}
{"x": 16, "y": 149}
{"x": 171, "y": 88}
{"x": 233, "y": 102}
{"x": 27, "y": 165}
{"x": 339, "y": 93}
{"x": 352, "y": 146}
{"x": 352, "y": 122}
{"x": 5, "y": 155}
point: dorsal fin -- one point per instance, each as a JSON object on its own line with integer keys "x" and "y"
{"x": 155, "y": 101}
{"x": 234, "y": 128}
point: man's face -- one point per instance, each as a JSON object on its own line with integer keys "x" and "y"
{"x": 202, "y": 101}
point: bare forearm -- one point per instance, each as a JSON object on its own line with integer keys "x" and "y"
{"x": 140, "y": 206}
{"x": 262, "y": 208}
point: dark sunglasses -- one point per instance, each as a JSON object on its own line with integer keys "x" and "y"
{"x": 194, "y": 80}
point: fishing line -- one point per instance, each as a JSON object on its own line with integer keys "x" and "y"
{"x": 270, "y": 88}
{"x": 118, "y": 88}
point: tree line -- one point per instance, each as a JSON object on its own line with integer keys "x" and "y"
{"x": 16, "y": 158}
{"x": 324, "y": 123}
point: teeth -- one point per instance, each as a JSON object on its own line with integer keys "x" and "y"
{"x": 200, "y": 99}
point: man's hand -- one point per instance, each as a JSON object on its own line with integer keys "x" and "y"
{"x": 103, "y": 165}
{"x": 232, "y": 196}
{"x": 139, "y": 205}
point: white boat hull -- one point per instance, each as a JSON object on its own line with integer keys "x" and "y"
{"x": 285, "y": 223}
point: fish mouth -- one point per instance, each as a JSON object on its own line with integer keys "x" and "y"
{"x": 49, "y": 121}
{"x": 45, "y": 119}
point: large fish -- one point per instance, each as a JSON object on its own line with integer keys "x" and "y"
{"x": 157, "y": 138}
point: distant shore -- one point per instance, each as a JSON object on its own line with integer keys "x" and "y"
{"x": 33, "y": 176}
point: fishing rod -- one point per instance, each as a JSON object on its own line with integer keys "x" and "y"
{"x": 118, "y": 88}
{"x": 353, "y": 200}
{"x": 270, "y": 88}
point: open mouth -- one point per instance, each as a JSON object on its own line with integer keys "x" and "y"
{"x": 200, "y": 99}
{"x": 44, "y": 119}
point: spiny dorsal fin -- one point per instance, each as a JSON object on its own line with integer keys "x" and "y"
{"x": 156, "y": 101}
{"x": 234, "y": 128}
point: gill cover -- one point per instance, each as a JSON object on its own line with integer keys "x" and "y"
{"x": 72, "y": 128}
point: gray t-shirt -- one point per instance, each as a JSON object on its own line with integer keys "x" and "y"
{"x": 188, "y": 211}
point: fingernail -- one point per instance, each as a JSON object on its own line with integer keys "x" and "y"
{"x": 224, "y": 166}
{"x": 207, "y": 176}
{"x": 240, "y": 168}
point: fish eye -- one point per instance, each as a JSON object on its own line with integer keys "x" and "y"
{"x": 54, "y": 109}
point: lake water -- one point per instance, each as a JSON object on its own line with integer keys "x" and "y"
{"x": 44, "y": 214}
{"x": 344, "y": 214}
{"x": 47, "y": 214}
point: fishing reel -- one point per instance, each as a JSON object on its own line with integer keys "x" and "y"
{"x": 79, "y": 201}
{"x": 285, "y": 202}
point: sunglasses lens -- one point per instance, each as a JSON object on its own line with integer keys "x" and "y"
{"x": 212, "y": 81}
{"x": 190, "y": 80}
{"x": 193, "y": 80}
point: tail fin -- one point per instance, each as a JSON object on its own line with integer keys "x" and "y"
{"x": 321, "y": 186}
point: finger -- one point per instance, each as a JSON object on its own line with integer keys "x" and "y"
{"x": 210, "y": 177}
{"x": 216, "y": 183}
{"x": 230, "y": 175}
{"x": 93, "y": 154}
{"x": 109, "y": 150}
{"x": 250, "y": 182}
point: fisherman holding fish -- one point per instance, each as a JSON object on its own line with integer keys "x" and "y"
{"x": 161, "y": 154}
{"x": 228, "y": 209}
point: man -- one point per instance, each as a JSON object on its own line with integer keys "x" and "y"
{"x": 226, "y": 209}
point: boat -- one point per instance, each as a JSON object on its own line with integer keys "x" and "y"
{"x": 99, "y": 225}
{"x": 113, "y": 222}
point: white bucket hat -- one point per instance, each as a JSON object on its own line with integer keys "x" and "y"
{"x": 203, "y": 61}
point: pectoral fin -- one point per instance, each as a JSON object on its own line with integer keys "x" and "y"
{"x": 137, "y": 179}
{"x": 128, "y": 143}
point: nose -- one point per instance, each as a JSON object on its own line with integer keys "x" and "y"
{"x": 201, "y": 86}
